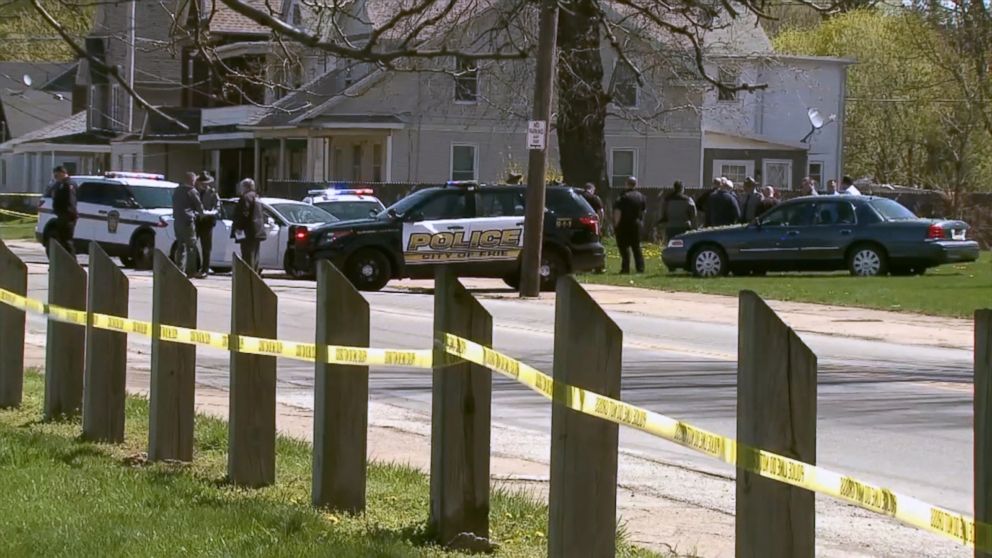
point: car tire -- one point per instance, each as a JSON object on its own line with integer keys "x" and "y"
{"x": 293, "y": 272}
{"x": 368, "y": 270}
{"x": 709, "y": 261}
{"x": 143, "y": 250}
{"x": 867, "y": 260}
{"x": 552, "y": 267}
{"x": 127, "y": 261}
{"x": 513, "y": 280}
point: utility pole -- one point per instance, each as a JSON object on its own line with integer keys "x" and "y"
{"x": 530, "y": 285}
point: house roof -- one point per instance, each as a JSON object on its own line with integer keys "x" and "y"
{"x": 224, "y": 20}
{"x": 71, "y": 130}
{"x": 27, "y": 108}
{"x": 41, "y": 73}
{"x": 298, "y": 105}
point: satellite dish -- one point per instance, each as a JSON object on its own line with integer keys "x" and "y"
{"x": 815, "y": 118}
{"x": 27, "y": 80}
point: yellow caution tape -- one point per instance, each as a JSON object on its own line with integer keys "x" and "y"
{"x": 770, "y": 465}
{"x": 18, "y": 214}
{"x": 20, "y": 195}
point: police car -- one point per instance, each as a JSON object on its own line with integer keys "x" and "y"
{"x": 129, "y": 214}
{"x": 346, "y": 204}
{"x": 476, "y": 229}
{"x": 281, "y": 216}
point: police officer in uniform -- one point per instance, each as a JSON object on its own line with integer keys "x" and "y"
{"x": 63, "y": 194}
{"x": 628, "y": 213}
{"x": 186, "y": 209}
{"x": 205, "y": 222}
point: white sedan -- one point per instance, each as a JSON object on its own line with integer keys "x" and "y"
{"x": 280, "y": 215}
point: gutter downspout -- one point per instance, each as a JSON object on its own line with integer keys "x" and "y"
{"x": 130, "y": 79}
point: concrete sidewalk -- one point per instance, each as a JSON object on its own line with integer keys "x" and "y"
{"x": 881, "y": 325}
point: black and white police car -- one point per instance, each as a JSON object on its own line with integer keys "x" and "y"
{"x": 477, "y": 229}
{"x": 128, "y": 213}
{"x": 347, "y": 204}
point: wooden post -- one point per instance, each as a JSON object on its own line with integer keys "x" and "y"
{"x": 341, "y": 395}
{"x": 983, "y": 432}
{"x": 65, "y": 347}
{"x": 460, "y": 419}
{"x": 251, "y": 459}
{"x": 14, "y": 278}
{"x": 776, "y": 411}
{"x": 173, "y": 381}
{"x": 106, "y": 352}
{"x": 583, "y": 491}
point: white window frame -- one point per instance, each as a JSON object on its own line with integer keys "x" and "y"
{"x": 115, "y": 109}
{"x": 823, "y": 169}
{"x": 764, "y": 172}
{"x": 475, "y": 159}
{"x": 637, "y": 87}
{"x": 614, "y": 150}
{"x": 478, "y": 86}
{"x": 748, "y": 165}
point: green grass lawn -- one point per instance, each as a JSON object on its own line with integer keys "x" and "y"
{"x": 63, "y": 497}
{"x": 17, "y": 230}
{"x": 950, "y": 290}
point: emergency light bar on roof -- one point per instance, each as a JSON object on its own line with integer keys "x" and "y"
{"x": 136, "y": 175}
{"x": 462, "y": 183}
{"x": 341, "y": 192}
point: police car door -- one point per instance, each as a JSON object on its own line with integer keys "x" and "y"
{"x": 436, "y": 231}
{"x": 498, "y": 227}
{"x": 121, "y": 216}
{"x": 89, "y": 204}
{"x": 276, "y": 238}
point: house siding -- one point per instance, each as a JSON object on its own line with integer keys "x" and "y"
{"x": 757, "y": 156}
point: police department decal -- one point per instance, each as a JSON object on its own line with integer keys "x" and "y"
{"x": 422, "y": 246}
{"x": 113, "y": 219}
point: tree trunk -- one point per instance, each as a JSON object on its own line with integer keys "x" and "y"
{"x": 582, "y": 102}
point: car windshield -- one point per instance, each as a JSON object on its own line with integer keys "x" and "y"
{"x": 302, "y": 214}
{"x": 407, "y": 203}
{"x": 152, "y": 197}
{"x": 892, "y": 210}
{"x": 350, "y": 210}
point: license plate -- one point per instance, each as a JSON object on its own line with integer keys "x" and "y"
{"x": 957, "y": 234}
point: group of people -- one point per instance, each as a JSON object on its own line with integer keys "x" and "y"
{"x": 195, "y": 205}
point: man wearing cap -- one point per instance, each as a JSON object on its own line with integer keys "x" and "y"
{"x": 751, "y": 201}
{"x": 186, "y": 209}
{"x": 628, "y": 214}
{"x": 206, "y": 221}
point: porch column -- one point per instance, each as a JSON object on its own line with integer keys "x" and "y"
{"x": 215, "y": 163}
{"x": 316, "y": 159}
{"x": 281, "y": 170}
{"x": 256, "y": 168}
{"x": 388, "y": 175}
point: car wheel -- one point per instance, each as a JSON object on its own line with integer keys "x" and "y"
{"x": 126, "y": 261}
{"x": 513, "y": 280}
{"x": 143, "y": 250}
{"x": 290, "y": 269}
{"x": 709, "y": 261}
{"x": 368, "y": 270}
{"x": 552, "y": 267}
{"x": 867, "y": 261}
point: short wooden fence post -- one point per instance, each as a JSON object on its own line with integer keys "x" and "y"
{"x": 65, "y": 348}
{"x": 14, "y": 278}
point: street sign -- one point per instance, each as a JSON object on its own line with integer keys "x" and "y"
{"x": 537, "y": 132}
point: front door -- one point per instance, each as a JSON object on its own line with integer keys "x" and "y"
{"x": 775, "y": 243}
{"x": 826, "y": 241}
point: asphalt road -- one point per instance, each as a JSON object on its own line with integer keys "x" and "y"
{"x": 894, "y": 414}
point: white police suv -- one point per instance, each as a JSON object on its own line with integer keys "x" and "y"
{"x": 347, "y": 204}
{"x": 128, "y": 214}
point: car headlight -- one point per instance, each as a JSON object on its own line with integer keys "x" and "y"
{"x": 676, "y": 243}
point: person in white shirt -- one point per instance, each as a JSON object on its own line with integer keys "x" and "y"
{"x": 847, "y": 187}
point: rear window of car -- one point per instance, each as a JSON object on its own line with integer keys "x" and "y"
{"x": 303, "y": 214}
{"x": 568, "y": 203}
{"x": 892, "y": 210}
{"x": 350, "y": 210}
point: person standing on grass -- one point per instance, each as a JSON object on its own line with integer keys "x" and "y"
{"x": 186, "y": 210}
{"x": 628, "y": 214}
{"x": 248, "y": 226}
{"x": 702, "y": 202}
{"x": 63, "y": 194}
{"x": 589, "y": 193}
{"x": 751, "y": 202}
{"x": 205, "y": 223}
{"x": 847, "y": 187}
{"x": 723, "y": 206}
{"x": 678, "y": 212}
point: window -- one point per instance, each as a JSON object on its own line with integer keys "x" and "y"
{"x": 834, "y": 213}
{"x": 152, "y": 197}
{"x": 464, "y": 161}
{"x": 303, "y": 214}
{"x": 778, "y": 173}
{"x": 892, "y": 210}
{"x": 466, "y": 82}
{"x": 505, "y": 203}
{"x": 625, "y": 87}
{"x": 446, "y": 204}
{"x": 728, "y": 78}
{"x": 814, "y": 170}
{"x": 791, "y": 215}
{"x": 622, "y": 165}
{"x": 377, "y": 162}
{"x": 356, "y": 162}
{"x": 115, "y": 107}
{"x": 103, "y": 193}
{"x": 736, "y": 171}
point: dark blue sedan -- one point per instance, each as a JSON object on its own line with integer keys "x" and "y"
{"x": 866, "y": 235}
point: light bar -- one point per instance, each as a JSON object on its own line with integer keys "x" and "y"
{"x": 139, "y": 175}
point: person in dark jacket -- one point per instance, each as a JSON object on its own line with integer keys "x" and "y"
{"x": 186, "y": 209}
{"x": 628, "y": 214}
{"x": 248, "y": 226}
{"x": 205, "y": 223}
{"x": 723, "y": 208}
{"x": 750, "y": 201}
{"x": 589, "y": 194}
{"x": 63, "y": 194}
{"x": 678, "y": 212}
{"x": 702, "y": 202}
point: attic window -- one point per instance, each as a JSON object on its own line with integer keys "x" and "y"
{"x": 466, "y": 82}
{"x": 624, "y": 85}
{"x": 296, "y": 15}
{"x": 728, "y": 78}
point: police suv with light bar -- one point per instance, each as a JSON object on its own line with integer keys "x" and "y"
{"x": 476, "y": 229}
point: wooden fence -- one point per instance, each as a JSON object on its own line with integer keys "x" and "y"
{"x": 777, "y": 383}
